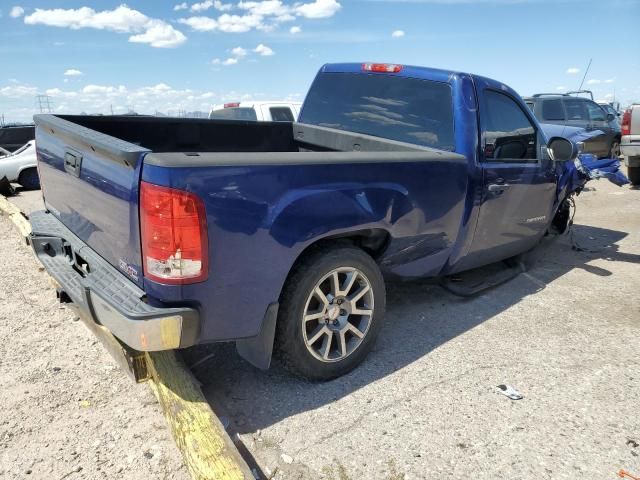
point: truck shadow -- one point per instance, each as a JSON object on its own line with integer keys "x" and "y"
{"x": 420, "y": 317}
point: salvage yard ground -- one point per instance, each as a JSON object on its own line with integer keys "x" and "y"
{"x": 423, "y": 405}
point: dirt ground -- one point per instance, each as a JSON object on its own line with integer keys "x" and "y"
{"x": 66, "y": 410}
{"x": 422, "y": 406}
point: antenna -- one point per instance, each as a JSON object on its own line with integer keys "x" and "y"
{"x": 585, "y": 74}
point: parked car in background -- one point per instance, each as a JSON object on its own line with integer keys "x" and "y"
{"x": 581, "y": 112}
{"x": 630, "y": 143}
{"x": 20, "y": 166}
{"x": 12, "y": 137}
{"x": 257, "y": 111}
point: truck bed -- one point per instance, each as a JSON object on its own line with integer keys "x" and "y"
{"x": 270, "y": 189}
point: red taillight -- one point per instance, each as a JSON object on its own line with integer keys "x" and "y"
{"x": 173, "y": 227}
{"x": 381, "y": 67}
{"x": 626, "y": 122}
{"x": 232, "y": 105}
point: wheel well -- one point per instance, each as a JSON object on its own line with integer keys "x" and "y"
{"x": 374, "y": 241}
{"x": 26, "y": 170}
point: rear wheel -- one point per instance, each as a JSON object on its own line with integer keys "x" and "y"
{"x": 29, "y": 179}
{"x": 634, "y": 175}
{"x": 331, "y": 311}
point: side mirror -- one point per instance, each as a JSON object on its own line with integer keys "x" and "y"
{"x": 610, "y": 117}
{"x": 561, "y": 149}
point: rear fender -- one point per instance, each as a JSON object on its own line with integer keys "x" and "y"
{"x": 304, "y": 216}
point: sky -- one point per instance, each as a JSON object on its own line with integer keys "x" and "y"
{"x": 168, "y": 56}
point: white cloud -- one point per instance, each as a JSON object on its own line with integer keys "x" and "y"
{"x": 122, "y": 19}
{"x": 561, "y": 87}
{"x": 398, "y": 33}
{"x": 318, "y": 9}
{"x": 573, "y": 70}
{"x": 216, "y": 61}
{"x": 239, "y": 23}
{"x": 16, "y": 12}
{"x": 239, "y": 52}
{"x": 610, "y": 80}
{"x": 160, "y": 35}
{"x": 207, "y": 4}
{"x": 72, "y": 72}
{"x": 180, "y": 6}
{"x": 263, "y": 15}
{"x": 17, "y": 91}
{"x": 264, "y": 51}
{"x": 201, "y": 24}
{"x": 593, "y": 81}
{"x": 294, "y": 30}
{"x": 230, "y": 61}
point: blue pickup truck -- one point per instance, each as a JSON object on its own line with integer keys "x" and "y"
{"x": 175, "y": 232}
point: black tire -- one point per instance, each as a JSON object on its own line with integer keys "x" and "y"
{"x": 290, "y": 340}
{"x": 29, "y": 179}
{"x": 634, "y": 175}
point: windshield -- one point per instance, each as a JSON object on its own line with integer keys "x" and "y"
{"x": 399, "y": 108}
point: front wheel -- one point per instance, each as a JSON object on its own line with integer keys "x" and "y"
{"x": 331, "y": 311}
{"x": 614, "y": 152}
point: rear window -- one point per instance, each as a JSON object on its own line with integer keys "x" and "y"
{"x": 552, "y": 110}
{"x": 281, "y": 114}
{"x": 398, "y": 108}
{"x": 239, "y": 113}
{"x": 576, "y": 109}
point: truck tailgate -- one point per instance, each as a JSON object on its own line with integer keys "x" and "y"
{"x": 90, "y": 182}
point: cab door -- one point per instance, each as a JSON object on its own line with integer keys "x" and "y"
{"x": 519, "y": 185}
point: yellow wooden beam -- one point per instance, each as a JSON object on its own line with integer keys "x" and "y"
{"x": 16, "y": 216}
{"x": 207, "y": 449}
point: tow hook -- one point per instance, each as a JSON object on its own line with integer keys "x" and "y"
{"x": 62, "y": 296}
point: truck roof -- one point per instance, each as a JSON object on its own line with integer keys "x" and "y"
{"x": 412, "y": 71}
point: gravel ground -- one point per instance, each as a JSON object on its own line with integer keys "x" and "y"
{"x": 422, "y": 406}
{"x": 66, "y": 410}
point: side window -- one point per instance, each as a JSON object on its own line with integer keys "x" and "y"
{"x": 506, "y": 130}
{"x": 281, "y": 114}
{"x": 552, "y": 109}
{"x": 596, "y": 113}
{"x": 576, "y": 109}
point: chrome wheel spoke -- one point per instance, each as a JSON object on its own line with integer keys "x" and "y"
{"x": 318, "y": 334}
{"x": 359, "y": 294}
{"x": 343, "y": 343}
{"x": 361, "y": 311}
{"x": 353, "y": 329}
{"x": 314, "y": 316}
{"x": 321, "y": 296}
{"x": 326, "y": 346}
{"x": 335, "y": 285}
{"x": 348, "y": 284}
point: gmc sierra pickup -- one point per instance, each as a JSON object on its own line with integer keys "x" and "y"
{"x": 176, "y": 232}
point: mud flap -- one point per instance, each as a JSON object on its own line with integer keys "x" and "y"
{"x": 258, "y": 350}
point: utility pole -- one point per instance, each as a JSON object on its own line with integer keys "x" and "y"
{"x": 44, "y": 103}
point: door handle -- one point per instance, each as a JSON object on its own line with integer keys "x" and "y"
{"x": 498, "y": 187}
{"x": 72, "y": 162}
